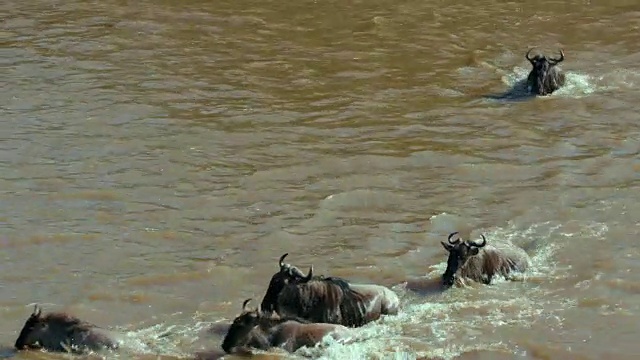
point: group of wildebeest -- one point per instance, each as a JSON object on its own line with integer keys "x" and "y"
{"x": 297, "y": 309}
{"x": 301, "y": 309}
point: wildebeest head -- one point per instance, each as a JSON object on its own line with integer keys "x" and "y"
{"x": 241, "y": 328}
{"x": 31, "y": 331}
{"x": 459, "y": 253}
{"x": 544, "y": 78}
{"x": 288, "y": 274}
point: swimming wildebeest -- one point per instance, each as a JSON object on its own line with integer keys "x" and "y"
{"x": 261, "y": 330}
{"x": 480, "y": 262}
{"x": 61, "y": 332}
{"x": 327, "y": 299}
{"x": 545, "y": 77}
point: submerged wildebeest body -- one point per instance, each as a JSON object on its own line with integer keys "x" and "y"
{"x": 260, "y": 330}
{"x": 327, "y": 299}
{"x": 61, "y": 332}
{"x": 545, "y": 78}
{"x": 481, "y": 262}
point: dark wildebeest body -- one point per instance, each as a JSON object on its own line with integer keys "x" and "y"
{"x": 545, "y": 78}
{"x": 61, "y": 332}
{"x": 259, "y": 330}
{"x": 327, "y": 299}
{"x": 481, "y": 262}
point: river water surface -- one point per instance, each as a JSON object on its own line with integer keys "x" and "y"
{"x": 157, "y": 157}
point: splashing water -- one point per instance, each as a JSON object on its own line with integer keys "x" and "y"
{"x": 165, "y": 340}
{"x": 437, "y": 327}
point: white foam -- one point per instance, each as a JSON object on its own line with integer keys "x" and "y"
{"x": 161, "y": 339}
{"x": 428, "y": 328}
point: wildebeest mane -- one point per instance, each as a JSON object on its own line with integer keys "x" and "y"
{"x": 325, "y": 299}
{"x": 342, "y": 283}
{"x": 497, "y": 263}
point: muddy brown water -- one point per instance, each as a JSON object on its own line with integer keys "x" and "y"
{"x": 157, "y": 157}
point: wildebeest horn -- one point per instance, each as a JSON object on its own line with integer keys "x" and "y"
{"x": 527, "y": 56}
{"x": 244, "y": 304}
{"x": 310, "y": 274}
{"x": 297, "y": 272}
{"x": 282, "y": 260}
{"x": 450, "y": 236}
{"x": 557, "y": 60}
{"x": 482, "y": 244}
{"x": 37, "y": 311}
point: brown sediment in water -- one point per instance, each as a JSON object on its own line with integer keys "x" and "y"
{"x": 158, "y": 156}
{"x": 168, "y": 279}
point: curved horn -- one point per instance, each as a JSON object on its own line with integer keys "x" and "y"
{"x": 281, "y": 262}
{"x": 450, "y": 236}
{"x": 527, "y": 56}
{"x": 295, "y": 271}
{"x": 244, "y": 304}
{"x": 37, "y": 311}
{"x": 557, "y": 60}
{"x": 482, "y": 244}
{"x": 310, "y": 274}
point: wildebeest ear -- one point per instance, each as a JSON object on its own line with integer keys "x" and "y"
{"x": 474, "y": 251}
{"x": 447, "y": 247}
{"x": 37, "y": 311}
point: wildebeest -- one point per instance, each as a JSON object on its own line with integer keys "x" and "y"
{"x": 261, "y": 330}
{"x": 545, "y": 78}
{"x": 61, "y": 332}
{"x": 480, "y": 262}
{"x": 327, "y": 299}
